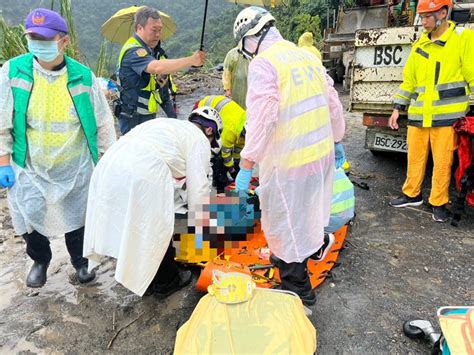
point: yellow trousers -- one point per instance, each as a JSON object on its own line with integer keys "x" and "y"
{"x": 442, "y": 141}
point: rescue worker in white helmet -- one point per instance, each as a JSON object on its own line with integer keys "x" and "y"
{"x": 227, "y": 161}
{"x": 158, "y": 169}
{"x": 437, "y": 80}
{"x": 291, "y": 135}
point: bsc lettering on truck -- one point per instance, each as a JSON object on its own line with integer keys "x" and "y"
{"x": 387, "y": 55}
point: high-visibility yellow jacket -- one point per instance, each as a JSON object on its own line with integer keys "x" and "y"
{"x": 438, "y": 78}
{"x": 233, "y": 120}
{"x": 149, "y": 96}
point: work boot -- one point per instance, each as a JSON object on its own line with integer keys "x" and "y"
{"x": 294, "y": 277}
{"x": 275, "y": 260}
{"x": 329, "y": 240}
{"x": 404, "y": 201}
{"x": 37, "y": 275}
{"x": 440, "y": 213}
{"x": 161, "y": 291}
{"x": 84, "y": 276}
{"x": 309, "y": 298}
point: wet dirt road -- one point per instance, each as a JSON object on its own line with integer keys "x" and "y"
{"x": 399, "y": 265}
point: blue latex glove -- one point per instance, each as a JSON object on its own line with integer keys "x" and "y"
{"x": 340, "y": 154}
{"x": 7, "y": 176}
{"x": 242, "y": 181}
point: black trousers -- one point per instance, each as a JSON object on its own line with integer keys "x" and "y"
{"x": 38, "y": 247}
{"x": 219, "y": 173}
{"x": 294, "y": 277}
{"x": 168, "y": 270}
{"x": 168, "y": 107}
{"x": 129, "y": 121}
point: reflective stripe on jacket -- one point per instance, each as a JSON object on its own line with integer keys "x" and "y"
{"x": 149, "y": 96}
{"x": 79, "y": 85}
{"x": 296, "y": 170}
{"x": 343, "y": 199}
{"x": 233, "y": 120}
{"x": 304, "y": 126}
{"x": 438, "y": 78}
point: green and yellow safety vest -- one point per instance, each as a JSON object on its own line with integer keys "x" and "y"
{"x": 79, "y": 85}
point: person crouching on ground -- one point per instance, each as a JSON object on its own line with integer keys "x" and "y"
{"x": 159, "y": 168}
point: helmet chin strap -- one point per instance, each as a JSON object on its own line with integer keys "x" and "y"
{"x": 250, "y": 55}
{"x": 439, "y": 22}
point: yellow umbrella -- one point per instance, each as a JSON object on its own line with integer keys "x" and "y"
{"x": 119, "y": 28}
{"x": 264, "y": 3}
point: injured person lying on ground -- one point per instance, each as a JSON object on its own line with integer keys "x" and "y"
{"x": 158, "y": 169}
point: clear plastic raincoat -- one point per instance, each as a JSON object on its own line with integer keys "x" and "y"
{"x": 290, "y": 136}
{"x": 306, "y": 41}
{"x": 235, "y": 74}
{"x": 50, "y": 193}
{"x": 135, "y": 191}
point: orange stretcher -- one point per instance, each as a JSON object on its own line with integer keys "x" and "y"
{"x": 252, "y": 257}
{"x": 247, "y": 253}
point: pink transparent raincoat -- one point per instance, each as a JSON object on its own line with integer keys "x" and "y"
{"x": 295, "y": 204}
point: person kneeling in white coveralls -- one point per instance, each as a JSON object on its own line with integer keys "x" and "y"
{"x": 150, "y": 174}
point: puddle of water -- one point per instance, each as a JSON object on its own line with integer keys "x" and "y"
{"x": 14, "y": 265}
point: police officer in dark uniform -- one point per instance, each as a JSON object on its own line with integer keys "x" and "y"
{"x": 144, "y": 71}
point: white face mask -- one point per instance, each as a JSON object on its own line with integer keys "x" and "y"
{"x": 250, "y": 46}
{"x": 46, "y": 51}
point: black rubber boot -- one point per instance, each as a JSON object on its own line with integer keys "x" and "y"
{"x": 294, "y": 277}
{"x": 84, "y": 276}
{"x": 162, "y": 291}
{"x": 37, "y": 276}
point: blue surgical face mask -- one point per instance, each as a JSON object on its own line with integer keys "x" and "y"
{"x": 47, "y": 51}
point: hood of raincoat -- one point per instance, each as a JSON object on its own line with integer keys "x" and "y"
{"x": 306, "y": 40}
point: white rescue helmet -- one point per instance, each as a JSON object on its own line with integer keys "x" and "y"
{"x": 250, "y": 21}
{"x": 208, "y": 117}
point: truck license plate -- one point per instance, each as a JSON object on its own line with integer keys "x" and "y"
{"x": 387, "y": 142}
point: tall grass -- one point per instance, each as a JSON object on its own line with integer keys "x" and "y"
{"x": 12, "y": 42}
{"x": 65, "y": 10}
{"x": 103, "y": 61}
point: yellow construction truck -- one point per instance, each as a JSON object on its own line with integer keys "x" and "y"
{"x": 379, "y": 57}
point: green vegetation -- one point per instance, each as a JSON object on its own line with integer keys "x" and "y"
{"x": 86, "y": 16}
{"x": 12, "y": 43}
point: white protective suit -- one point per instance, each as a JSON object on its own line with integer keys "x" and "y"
{"x": 130, "y": 212}
{"x": 295, "y": 203}
{"x": 51, "y": 197}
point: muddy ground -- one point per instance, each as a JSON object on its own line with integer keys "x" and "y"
{"x": 399, "y": 265}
